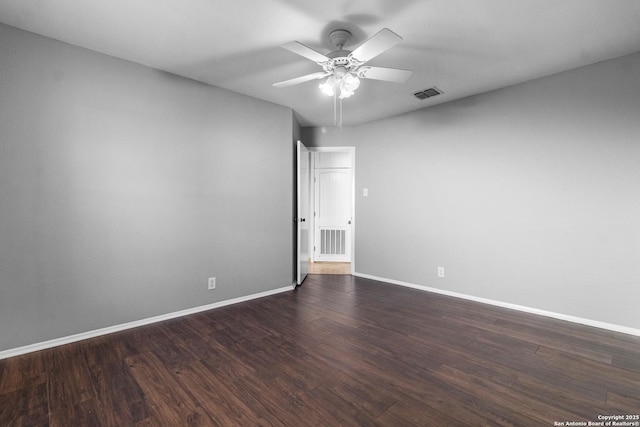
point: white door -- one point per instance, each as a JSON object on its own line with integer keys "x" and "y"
{"x": 332, "y": 215}
{"x": 302, "y": 216}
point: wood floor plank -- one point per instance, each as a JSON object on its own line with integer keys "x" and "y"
{"x": 169, "y": 403}
{"x": 546, "y": 390}
{"x": 626, "y": 361}
{"x": 71, "y": 392}
{"x": 84, "y": 413}
{"x": 27, "y": 406}
{"x": 408, "y": 412}
{"x": 372, "y": 400}
{"x": 504, "y": 398}
{"x": 547, "y": 339}
{"x": 618, "y": 403}
{"x": 431, "y": 400}
{"x": 287, "y": 405}
{"x": 120, "y": 396}
{"x": 221, "y": 404}
{"x": 17, "y": 372}
{"x": 612, "y": 377}
{"x": 338, "y": 350}
{"x": 333, "y": 409}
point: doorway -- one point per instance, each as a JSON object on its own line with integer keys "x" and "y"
{"x": 329, "y": 267}
{"x": 332, "y": 210}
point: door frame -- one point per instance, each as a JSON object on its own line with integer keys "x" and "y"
{"x": 303, "y": 177}
{"x": 352, "y": 151}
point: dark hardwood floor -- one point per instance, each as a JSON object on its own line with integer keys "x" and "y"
{"x": 337, "y": 351}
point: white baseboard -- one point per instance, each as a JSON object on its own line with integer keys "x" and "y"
{"x": 111, "y": 329}
{"x": 568, "y": 318}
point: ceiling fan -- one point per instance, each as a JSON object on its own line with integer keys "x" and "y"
{"x": 344, "y": 68}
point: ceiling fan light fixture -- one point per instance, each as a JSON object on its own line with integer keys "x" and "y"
{"x": 327, "y": 87}
{"x": 350, "y": 82}
{"x": 345, "y": 93}
{"x": 345, "y": 85}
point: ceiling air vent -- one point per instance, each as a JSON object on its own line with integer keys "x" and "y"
{"x": 428, "y": 93}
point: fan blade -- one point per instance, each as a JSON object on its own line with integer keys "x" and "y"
{"x": 307, "y": 52}
{"x": 302, "y": 79}
{"x": 387, "y": 74}
{"x": 378, "y": 43}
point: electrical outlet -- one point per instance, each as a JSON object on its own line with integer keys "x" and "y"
{"x": 212, "y": 283}
{"x": 440, "y": 271}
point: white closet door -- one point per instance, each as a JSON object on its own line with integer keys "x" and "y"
{"x": 332, "y": 215}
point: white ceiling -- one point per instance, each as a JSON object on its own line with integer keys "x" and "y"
{"x": 463, "y": 47}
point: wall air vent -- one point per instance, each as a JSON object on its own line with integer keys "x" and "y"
{"x": 428, "y": 93}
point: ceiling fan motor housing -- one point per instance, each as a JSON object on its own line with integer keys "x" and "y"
{"x": 339, "y": 38}
{"x": 340, "y": 58}
{"x": 339, "y": 62}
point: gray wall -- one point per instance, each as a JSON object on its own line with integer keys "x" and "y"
{"x": 528, "y": 195}
{"x": 122, "y": 189}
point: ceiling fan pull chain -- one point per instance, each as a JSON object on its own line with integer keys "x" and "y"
{"x": 335, "y": 108}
